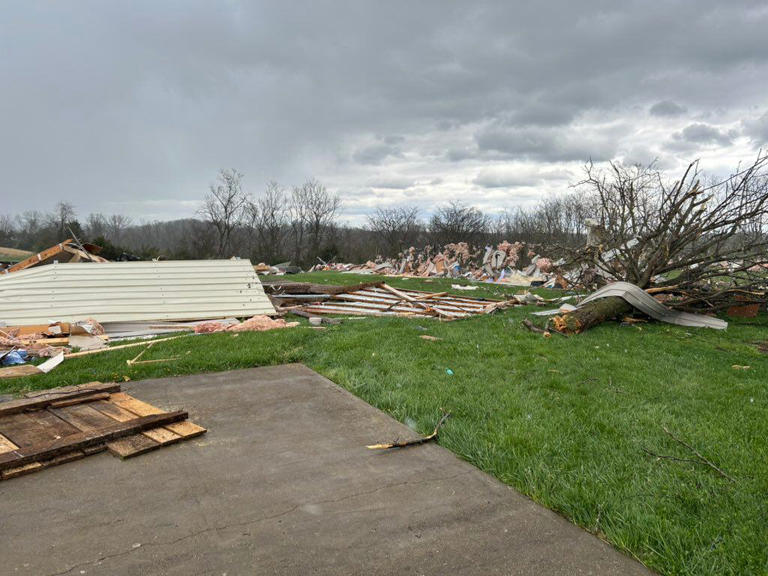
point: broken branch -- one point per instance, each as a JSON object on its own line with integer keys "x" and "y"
{"x": 406, "y": 443}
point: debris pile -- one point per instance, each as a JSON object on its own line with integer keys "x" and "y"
{"x": 260, "y": 323}
{"x": 377, "y": 299}
{"x": 507, "y": 263}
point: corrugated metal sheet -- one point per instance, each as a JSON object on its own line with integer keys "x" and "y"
{"x": 132, "y": 291}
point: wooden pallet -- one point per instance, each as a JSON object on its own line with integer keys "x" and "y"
{"x": 51, "y": 427}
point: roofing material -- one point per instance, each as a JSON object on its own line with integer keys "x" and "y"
{"x": 132, "y": 291}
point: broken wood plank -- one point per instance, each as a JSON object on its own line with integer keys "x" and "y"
{"x": 132, "y": 445}
{"x": 126, "y": 447}
{"x": 80, "y": 400}
{"x": 18, "y": 371}
{"x": 82, "y": 440}
{"x": 20, "y": 470}
{"x": 50, "y": 396}
{"x": 40, "y": 256}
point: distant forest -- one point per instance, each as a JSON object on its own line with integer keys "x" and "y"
{"x": 300, "y": 225}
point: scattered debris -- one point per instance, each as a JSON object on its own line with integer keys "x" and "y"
{"x": 507, "y": 263}
{"x": 430, "y": 338}
{"x": 30, "y": 369}
{"x": 260, "y": 323}
{"x": 383, "y": 300}
{"x": 406, "y": 443}
{"x": 740, "y": 367}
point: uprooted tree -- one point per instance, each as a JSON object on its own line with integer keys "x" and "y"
{"x": 701, "y": 243}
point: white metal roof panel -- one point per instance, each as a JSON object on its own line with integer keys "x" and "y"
{"x": 132, "y": 291}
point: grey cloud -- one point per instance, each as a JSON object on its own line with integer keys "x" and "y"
{"x": 104, "y": 102}
{"x": 545, "y": 144}
{"x": 375, "y": 153}
{"x": 667, "y": 108}
{"x": 391, "y": 181}
{"x": 700, "y": 133}
{"x": 494, "y": 178}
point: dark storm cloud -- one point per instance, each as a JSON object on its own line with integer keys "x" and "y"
{"x": 667, "y": 108}
{"x": 376, "y": 153}
{"x": 136, "y": 105}
{"x": 545, "y": 144}
{"x": 699, "y": 133}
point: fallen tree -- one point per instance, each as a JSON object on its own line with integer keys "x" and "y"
{"x": 699, "y": 247}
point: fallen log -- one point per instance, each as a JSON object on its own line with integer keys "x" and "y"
{"x": 591, "y": 314}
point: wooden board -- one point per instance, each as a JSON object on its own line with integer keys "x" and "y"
{"x": 49, "y": 397}
{"x": 21, "y": 370}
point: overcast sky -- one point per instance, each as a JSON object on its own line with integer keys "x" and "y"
{"x": 132, "y": 107}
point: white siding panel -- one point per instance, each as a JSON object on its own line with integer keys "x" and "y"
{"x": 132, "y": 291}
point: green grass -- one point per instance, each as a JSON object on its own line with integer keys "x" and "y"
{"x": 563, "y": 420}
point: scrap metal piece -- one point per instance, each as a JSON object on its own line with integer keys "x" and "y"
{"x": 647, "y": 304}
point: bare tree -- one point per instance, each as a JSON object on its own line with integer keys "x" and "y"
{"x": 116, "y": 225}
{"x": 96, "y": 226}
{"x": 313, "y": 210}
{"x": 224, "y": 207}
{"x": 7, "y": 230}
{"x": 395, "y": 228}
{"x": 269, "y": 215}
{"x": 62, "y": 219}
{"x": 456, "y": 222}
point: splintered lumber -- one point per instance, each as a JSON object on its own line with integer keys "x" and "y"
{"x": 40, "y": 256}
{"x": 53, "y": 396}
{"x": 416, "y": 442}
{"x": 122, "y": 346}
{"x": 81, "y": 440}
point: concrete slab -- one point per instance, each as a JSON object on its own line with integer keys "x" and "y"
{"x": 283, "y": 484}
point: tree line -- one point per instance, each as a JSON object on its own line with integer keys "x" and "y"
{"x": 659, "y": 225}
{"x": 300, "y": 224}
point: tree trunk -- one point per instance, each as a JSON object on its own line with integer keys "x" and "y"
{"x": 591, "y": 314}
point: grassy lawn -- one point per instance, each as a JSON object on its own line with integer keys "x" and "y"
{"x": 563, "y": 420}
